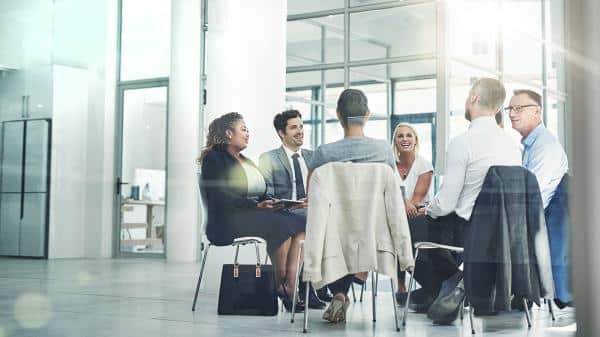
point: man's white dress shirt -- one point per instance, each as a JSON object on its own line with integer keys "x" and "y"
{"x": 303, "y": 168}
{"x": 468, "y": 159}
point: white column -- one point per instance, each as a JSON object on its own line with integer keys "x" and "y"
{"x": 183, "y": 132}
{"x": 584, "y": 90}
{"x": 246, "y": 44}
{"x": 246, "y": 65}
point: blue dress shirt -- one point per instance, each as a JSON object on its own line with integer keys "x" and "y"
{"x": 544, "y": 156}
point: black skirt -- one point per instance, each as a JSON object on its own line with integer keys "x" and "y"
{"x": 274, "y": 227}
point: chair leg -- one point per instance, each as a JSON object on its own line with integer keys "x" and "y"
{"x": 373, "y": 291}
{"x": 362, "y": 290}
{"x": 353, "y": 293}
{"x": 376, "y": 283}
{"x": 410, "y": 286}
{"x": 471, "y": 318}
{"x": 395, "y": 305}
{"x": 200, "y": 276}
{"x": 305, "y": 330}
{"x": 295, "y": 297}
{"x": 460, "y": 310}
{"x": 551, "y": 309}
{"x": 526, "y": 312}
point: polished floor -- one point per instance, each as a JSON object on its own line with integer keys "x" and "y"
{"x": 146, "y": 298}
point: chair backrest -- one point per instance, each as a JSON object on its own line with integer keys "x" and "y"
{"x": 354, "y": 187}
{"x": 201, "y": 197}
{"x": 506, "y": 244}
{"x": 359, "y": 209}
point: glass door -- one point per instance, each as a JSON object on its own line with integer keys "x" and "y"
{"x": 141, "y": 175}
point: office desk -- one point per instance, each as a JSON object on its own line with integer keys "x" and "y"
{"x": 140, "y": 220}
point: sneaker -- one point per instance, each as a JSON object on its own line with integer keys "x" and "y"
{"x": 336, "y": 311}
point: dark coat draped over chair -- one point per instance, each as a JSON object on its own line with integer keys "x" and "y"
{"x": 506, "y": 245}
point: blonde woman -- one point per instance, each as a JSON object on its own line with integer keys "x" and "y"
{"x": 417, "y": 173}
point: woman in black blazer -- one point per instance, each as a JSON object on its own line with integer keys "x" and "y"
{"x": 234, "y": 192}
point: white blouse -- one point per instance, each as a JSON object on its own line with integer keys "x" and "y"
{"x": 420, "y": 166}
{"x": 256, "y": 182}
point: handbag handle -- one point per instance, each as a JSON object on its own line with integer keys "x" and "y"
{"x": 236, "y": 265}
{"x": 258, "y": 270}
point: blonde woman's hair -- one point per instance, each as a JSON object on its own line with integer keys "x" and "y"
{"x": 413, "y": 130}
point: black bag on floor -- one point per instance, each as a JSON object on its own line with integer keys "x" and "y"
{"x": 247, "y": 289}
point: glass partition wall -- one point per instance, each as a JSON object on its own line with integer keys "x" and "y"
{"x": 416, "y": 61}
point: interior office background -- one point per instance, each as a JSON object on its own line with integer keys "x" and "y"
{"x": 132, "y": 85}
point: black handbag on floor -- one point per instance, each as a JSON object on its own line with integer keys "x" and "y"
{"x": 247, "y": 289}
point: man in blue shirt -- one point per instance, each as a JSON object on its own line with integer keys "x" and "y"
{"x": 544, "y": 156}
{"x": 542, "y": 153}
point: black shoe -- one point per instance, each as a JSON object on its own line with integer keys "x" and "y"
{"x": 287, "y": 302}
{"x": 324, "y": 295}
{"x": 416, "y": 297}
{"x": 358, "y": 280}
{"x": 517, "y": 303}
{"x": 444, "y": 310}
{"x": 313, "y": 301}
{"x": 420, "y": 305}
{"x": 561, "y": 305}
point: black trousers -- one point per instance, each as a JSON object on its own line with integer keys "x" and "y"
{"x": 434, "y": 266}
{"x": 341, "y": 285}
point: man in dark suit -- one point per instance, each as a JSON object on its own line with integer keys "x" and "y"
{"x": 286, "y": 169}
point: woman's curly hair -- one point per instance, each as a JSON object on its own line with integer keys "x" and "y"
{"x": 217, "y": 132}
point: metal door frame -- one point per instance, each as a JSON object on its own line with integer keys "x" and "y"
{"x": 136, "y": 85}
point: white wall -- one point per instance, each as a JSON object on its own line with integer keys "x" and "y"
{"x": 100, "y": 131}
{"x": 584, "y": 76}
{"x": 183, "y": 132}
{"x": 69, "y": 163}
{"x": 84, "y": 43}
{"x": 246, "y": 65}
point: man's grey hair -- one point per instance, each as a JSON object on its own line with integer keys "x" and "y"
{"x": 491, "y": 93}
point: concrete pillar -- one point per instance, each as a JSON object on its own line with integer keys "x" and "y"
{"x": 183, "y": 132}
{"x": 246, "y": 61}
{"x": 246, "y": 65}
{"x": 584, "y": 90}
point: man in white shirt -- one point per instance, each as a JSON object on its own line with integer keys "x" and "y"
{"x": 469, "y": 157}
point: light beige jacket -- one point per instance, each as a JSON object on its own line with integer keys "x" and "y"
{"x": 356, "y": 222}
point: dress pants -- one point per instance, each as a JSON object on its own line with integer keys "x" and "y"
{"x": 434, "y": 266}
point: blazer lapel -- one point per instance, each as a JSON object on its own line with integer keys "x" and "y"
{"x": 307, "y": 156}
{"x": 284, "y": 161}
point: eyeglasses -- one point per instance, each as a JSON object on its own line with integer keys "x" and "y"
{"x": 518, "y": 108}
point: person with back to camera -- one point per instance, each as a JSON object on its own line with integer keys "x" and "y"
{"x": 353, "y": 113}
